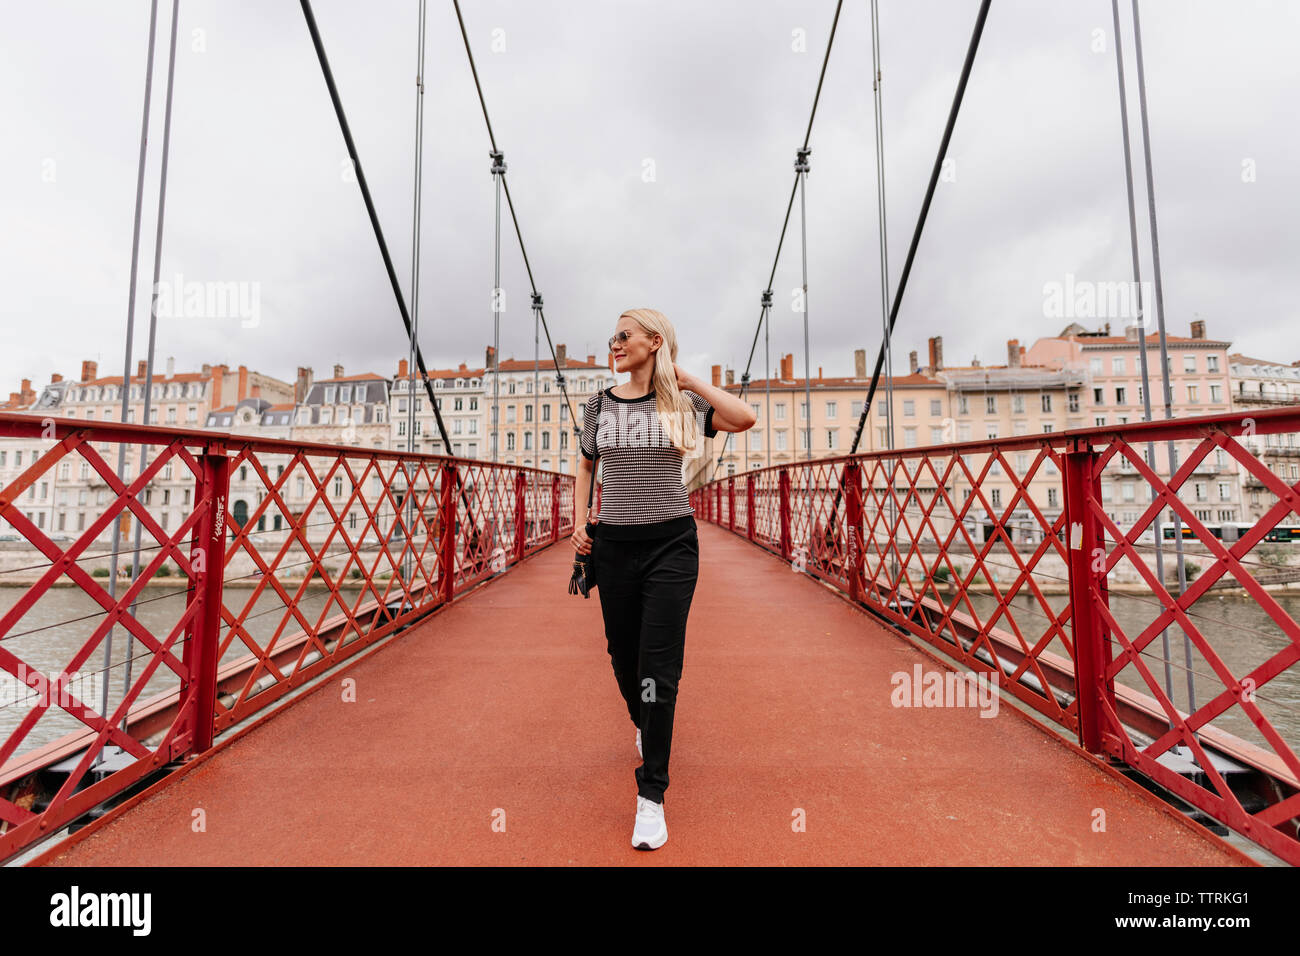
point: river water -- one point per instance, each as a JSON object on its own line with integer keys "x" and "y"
{"x": 49, "y": 634}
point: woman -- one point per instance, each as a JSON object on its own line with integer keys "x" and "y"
{"x": 648, "y": 557}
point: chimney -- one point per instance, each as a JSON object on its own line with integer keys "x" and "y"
{"x": 787, "y": 366}
{"x": 731, "y": 376}
{"x": 207, "y": 370}
{"x": 218, "y": 380}
{"x": 301, "y": 386}
{"x": 1106, "y": 328}
{"x": 1131, "y": 333}
{"x": 403, "y": 369}
{"x": 819, "y": 373}
{"x": 591, "y": 359}
{"x": 1013, "y": 353}
{"x": 717, "y": 376}
{"x": 140, "y": 367}
{"x": 1198, "y": 328}
{"x": 912, "y": 365}
{"x": 27, "y": 388}
{"x": 56, "y": 378}
{"x": 338, "y": 370}
{"x": 1021, "y": 359}
{"x": 89, "y": 371}
{"x": 936, "y": 353}
{"x": 859, "y": 363}
{"x": 243, "y": 383}
{"x": 562, "y": 355}
{"x": 171, "y": 366}
{"x": 609, "y": 361}
{"x": 463, "y": 367}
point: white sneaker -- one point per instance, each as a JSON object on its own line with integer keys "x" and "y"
{"x": 638, "y": 744}
{"x": 650, "y": 832}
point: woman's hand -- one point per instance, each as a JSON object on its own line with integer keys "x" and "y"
{"x": 580, "y": 540}
{"x": 684, "y": 378}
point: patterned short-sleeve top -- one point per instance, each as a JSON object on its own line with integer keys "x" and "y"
{"x": 642, "y": 492}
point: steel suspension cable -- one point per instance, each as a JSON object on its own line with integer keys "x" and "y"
{"x": 383, "y": 251}
{"x": 417, "y": 190}
{"x": 765, "y": 309}
{"x": 130, "y": 333}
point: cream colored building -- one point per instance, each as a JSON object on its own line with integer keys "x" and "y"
{"x": 1256, "y": 385}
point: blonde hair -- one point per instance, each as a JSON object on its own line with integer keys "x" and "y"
{"x": 676, "y": 413}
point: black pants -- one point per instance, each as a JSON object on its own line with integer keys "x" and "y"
{"x": 645, "y": 590}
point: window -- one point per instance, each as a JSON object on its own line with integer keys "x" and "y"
{"x": 1189, "y": 363}
{"x": 1193, "y": 393}
{"x": 1225, "y": 491}
{"x": 1099, "y": 421}
{"x": 990, "y": 404}
{"x": 780, "y": 411}
{"x": 909, "y": 408}
{"x": 803, "y": 411}
{"x": 1199, "y": 488}
{"x": 1053, "y": 498}
{"x": 963, "y": 406}
{"x": 831, "y": 412}
{"x": 1117, "y": 365}
{"x": 755, "y": 440}
{"x": 1120, "y": 396}
{"x": 345, "y": 393}
{"x": 936, "y": 435}
{"x": 1046, "y": 401}
{"x": 855, "y": 408}
{"x": 963, "y": 433}
{"x": 995, "y": 497}
{"x": 329, "y": 394}
{"x": 1216, "y": 393}
{"x": 1128, "y": 491}
{"x": 1211, "y": 363}
{"x": 1072, "y": 402}
{"x": 1047, "y": 428}
{"x": 909, "y": 437}
{"x": 338, "y": 487}
{"x": 936, "y": 406}
{"x": 1097, "y": 397}
{"x": 1095, "y": 366}
{"x": 780, "y": 441}
{"x": 830, "y": 438}
{"x": 1018, "y": 403}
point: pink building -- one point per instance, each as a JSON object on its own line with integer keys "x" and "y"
{"x": 1199, "y": 379}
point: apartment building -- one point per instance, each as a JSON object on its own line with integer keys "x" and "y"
{"x": 66, "y": 499}
{"x": 526, "y": 413}
{"x": 459, "y": 392}
{"x": 1198, "y": 374}
{"x": 1258, "y": 384}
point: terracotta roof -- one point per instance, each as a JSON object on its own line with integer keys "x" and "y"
{"x": 364, "y": 377}
{"x": 280, "y": 408}
{"x": 914, "y": 379}
{"x": 527, "y": 365}
{"x": 448, "y": 373}
{"x": 1246, "y": 359}
{"x": 1153, "y": 338}
{"x": 157, "y": 379}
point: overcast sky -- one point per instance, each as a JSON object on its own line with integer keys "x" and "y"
{"x": 581, "y": 96}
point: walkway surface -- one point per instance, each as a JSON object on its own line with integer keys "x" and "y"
{"x": 504, "y": 707}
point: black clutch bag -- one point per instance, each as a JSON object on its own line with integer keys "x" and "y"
{"x": 584, "y": 568}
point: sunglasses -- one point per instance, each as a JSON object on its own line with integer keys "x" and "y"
{"x": 619, "y": 338}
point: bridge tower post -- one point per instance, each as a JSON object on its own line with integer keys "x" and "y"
{"x": 447, "y": 542}
{"x": 731, "y": 502}
{"x": 783, "y": 506}
{"x": 521, "y": 514}
{"x": 208, "y": 563}
{"x": 555, "y": 508}
{"x": 1094, "y": 690}
{"x": 749, "y": 507}
{"x": 853, "y": 519}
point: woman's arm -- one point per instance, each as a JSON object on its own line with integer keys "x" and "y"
{"x": 582, "y": 480}
{"x": 730, "y": 414}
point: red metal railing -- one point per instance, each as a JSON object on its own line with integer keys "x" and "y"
{"x": 261, "y": 565}
{"x": 1034, "y": 558}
